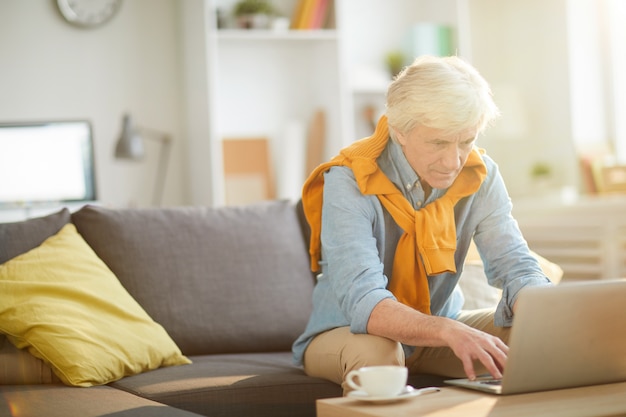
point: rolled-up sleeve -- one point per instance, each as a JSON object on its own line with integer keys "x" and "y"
{"x": 508, "y": 262}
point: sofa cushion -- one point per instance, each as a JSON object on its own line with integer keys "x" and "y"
{"x": 229, "y": 279}
{"x": 64, "y": 305}
{"x": 18, "y": 366}
{"x": 234, "y": 385}
{"x": 62, "y": 401}
{"x": 19, "y": 237}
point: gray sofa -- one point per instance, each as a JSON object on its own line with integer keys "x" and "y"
{"x": 232, "y": 288}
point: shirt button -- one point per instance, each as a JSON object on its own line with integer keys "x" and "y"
{"x": 409, "y": 186}
{"x": 419, "y": 204}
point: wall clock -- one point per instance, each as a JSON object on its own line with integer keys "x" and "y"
{"x": 88, "y": 13}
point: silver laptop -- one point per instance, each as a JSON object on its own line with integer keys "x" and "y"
{"x": 569, "y": 335}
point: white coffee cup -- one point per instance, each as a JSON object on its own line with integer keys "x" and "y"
{"x": 379, "y": 381}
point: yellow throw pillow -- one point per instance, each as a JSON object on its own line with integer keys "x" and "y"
{"x": 63, "y": 304}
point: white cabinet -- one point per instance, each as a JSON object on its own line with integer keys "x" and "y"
{"x": 261, "y": 83}
{"x": 586, "y": 238}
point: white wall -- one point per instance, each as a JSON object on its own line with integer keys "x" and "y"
{"x": 51, "y": 70}
{"x": 521, "y": 48}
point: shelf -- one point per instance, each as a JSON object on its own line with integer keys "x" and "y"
{"x": 274, "y": 79}
{"x": 272, "y": 35}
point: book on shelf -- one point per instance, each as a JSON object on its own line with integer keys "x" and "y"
{"x": 312, "y": 14}
{"x": 297, "y": 12}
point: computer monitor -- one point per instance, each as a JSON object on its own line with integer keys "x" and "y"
{"x": 46, "y": 162}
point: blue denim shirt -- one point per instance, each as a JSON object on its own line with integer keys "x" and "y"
{"x": 359, "y": 239}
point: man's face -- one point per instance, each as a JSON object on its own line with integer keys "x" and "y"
{"x": 435, "y": 156}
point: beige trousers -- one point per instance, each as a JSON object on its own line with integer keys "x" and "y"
{"x": 332, "y": 354}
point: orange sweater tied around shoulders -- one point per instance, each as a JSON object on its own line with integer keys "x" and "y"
{"x": 428, "y": 244}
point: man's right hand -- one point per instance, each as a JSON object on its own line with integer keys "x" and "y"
{"x": 391, "y": 319}
{"x": 470, "y": 344}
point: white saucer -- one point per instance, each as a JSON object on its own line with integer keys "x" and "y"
{"x": 409, "y": 392}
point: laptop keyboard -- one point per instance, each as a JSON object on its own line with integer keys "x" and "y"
{"x": 491, "y": 381}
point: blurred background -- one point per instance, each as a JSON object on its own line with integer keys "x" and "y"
{"x": 250, "y": 106}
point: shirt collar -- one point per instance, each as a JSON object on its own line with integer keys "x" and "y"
{"x": 396, "y": 167}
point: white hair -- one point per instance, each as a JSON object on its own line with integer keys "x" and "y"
{"x": 443, "y": 93}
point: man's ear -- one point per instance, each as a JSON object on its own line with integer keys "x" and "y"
{"x": 399, "y": 136}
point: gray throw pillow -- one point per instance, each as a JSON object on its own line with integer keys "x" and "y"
{"x": 229, "y": 279}
{"x": 19, "y": 237}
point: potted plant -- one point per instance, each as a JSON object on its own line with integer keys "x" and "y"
{"x": 540, "y": 170}
{"x": 541, "y": 174}
{"x": 395, "y": 62}
{"x": 253, "y": 14}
